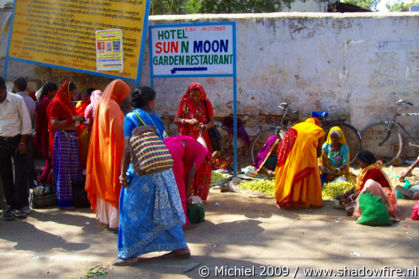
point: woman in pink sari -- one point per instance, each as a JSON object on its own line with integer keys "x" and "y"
{"x": 188, "y": 155}
{"x": 41, "y": 139}
{"x": 89, "y": 113}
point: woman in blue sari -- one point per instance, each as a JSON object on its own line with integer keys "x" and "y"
{"x": 151, "y": 213}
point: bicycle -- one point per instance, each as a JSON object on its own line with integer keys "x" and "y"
{"x": 288, "y": 119}
{"x": 384, "y": 138}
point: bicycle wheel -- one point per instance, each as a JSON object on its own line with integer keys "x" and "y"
{"x": 386, "y": 144}
{"x": 352, "y": 135}
{"x": 259, "y": 141}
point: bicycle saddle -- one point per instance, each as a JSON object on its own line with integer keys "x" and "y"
{"x": 319, "y": 113}
{"x": 403, "y": 102}
{"x": 283, "y": 105}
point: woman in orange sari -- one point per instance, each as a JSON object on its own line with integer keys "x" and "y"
{"x": 194, "y": 117}
{"x": 297, "y": 178}
{"x": 105, "y": 154}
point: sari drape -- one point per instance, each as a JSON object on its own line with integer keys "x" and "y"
{"x": 201, "y": 112}
{"x": 151, "y": 214}
{"x": 185, "y": 152}
{"x": 106, "y": 148}
{"x": 265, "y": 151}
{"x": 297, "y": 179}
{"x": 62, "y": 102}
{"x": 41, "y": 139}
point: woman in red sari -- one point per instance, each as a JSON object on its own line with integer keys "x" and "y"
{"x": 41, "y": 139}
{"x": 194, "y": 117}
{"x": 371, "y": 179}
{"x": 64, "y": 122}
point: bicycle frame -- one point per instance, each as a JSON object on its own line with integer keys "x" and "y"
{"x": 412, "y": 141}
{"x": 393, "y": 122}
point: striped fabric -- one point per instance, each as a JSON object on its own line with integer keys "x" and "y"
{"x": 66, "y": 166}
{"x": 149, "y": 154}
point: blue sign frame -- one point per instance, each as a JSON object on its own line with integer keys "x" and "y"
{"x": 140, "y": 62}
{"x": 233, "y": 75}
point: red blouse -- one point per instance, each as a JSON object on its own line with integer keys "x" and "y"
{"x": 377, "y": 175}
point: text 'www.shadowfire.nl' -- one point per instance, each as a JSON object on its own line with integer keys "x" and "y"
{"x": 283, "y": 271}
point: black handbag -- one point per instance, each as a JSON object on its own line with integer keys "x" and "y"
{"x": 80, "y": 199}
{"x": 213, "y": 134}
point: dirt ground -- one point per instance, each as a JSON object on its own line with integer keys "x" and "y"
{"x": 240, "y": 235}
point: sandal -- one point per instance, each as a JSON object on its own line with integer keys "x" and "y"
{"x": 189, "y": 227}
{"x": 125, "y": 262}
{"x": 175, "y": 255}
{"x": 406, "y": 192}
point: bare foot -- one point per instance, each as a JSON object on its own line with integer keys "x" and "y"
{"x": 177, "y": 254}
{"x": 125, "y": 262}
{"x": 189, "y": 227}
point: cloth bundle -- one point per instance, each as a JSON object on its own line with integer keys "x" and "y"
{"x": 42, "y": 196}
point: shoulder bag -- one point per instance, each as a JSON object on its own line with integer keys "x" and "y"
{"x": 148, "y": 152}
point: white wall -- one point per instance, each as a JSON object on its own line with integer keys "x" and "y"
{"x": 352, "y": 65}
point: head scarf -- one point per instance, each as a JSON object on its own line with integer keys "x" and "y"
{"x": 188, "y": 109}
{"x": 117, "y": 90}
{"x": 336, "y": 130}
{"x": 62, "y": 98}
{"x": 94, "y": 100}
{"x": 192, "y": 106}
{"x": 193, "y": 86}
{"x": 324, "y": 158}
{"x": 95, "y": 97}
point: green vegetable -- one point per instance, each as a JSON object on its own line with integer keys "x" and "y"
{"x": 333, "y": 189}
{"x": 330, "y": 190}
{"x": 264, "y": 186}
{"x": 216, "y": 176}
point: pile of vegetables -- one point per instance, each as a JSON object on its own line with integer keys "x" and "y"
{"x": 264, "y": 186}
{"x": 330, "y": 190}
{"x": 333, "y": 189}
{"x": 217, "y": 176}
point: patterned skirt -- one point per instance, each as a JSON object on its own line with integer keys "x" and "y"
{"x": 151, "y": 215}
{"x": 66, "y": 165}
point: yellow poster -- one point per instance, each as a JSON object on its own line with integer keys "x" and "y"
{"x": 109, "y": 50}
{"x": 63, "y": 33}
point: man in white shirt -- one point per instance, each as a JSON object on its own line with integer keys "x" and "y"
{"x": 19, "y": 87}
{"x": 15, "y": 125}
